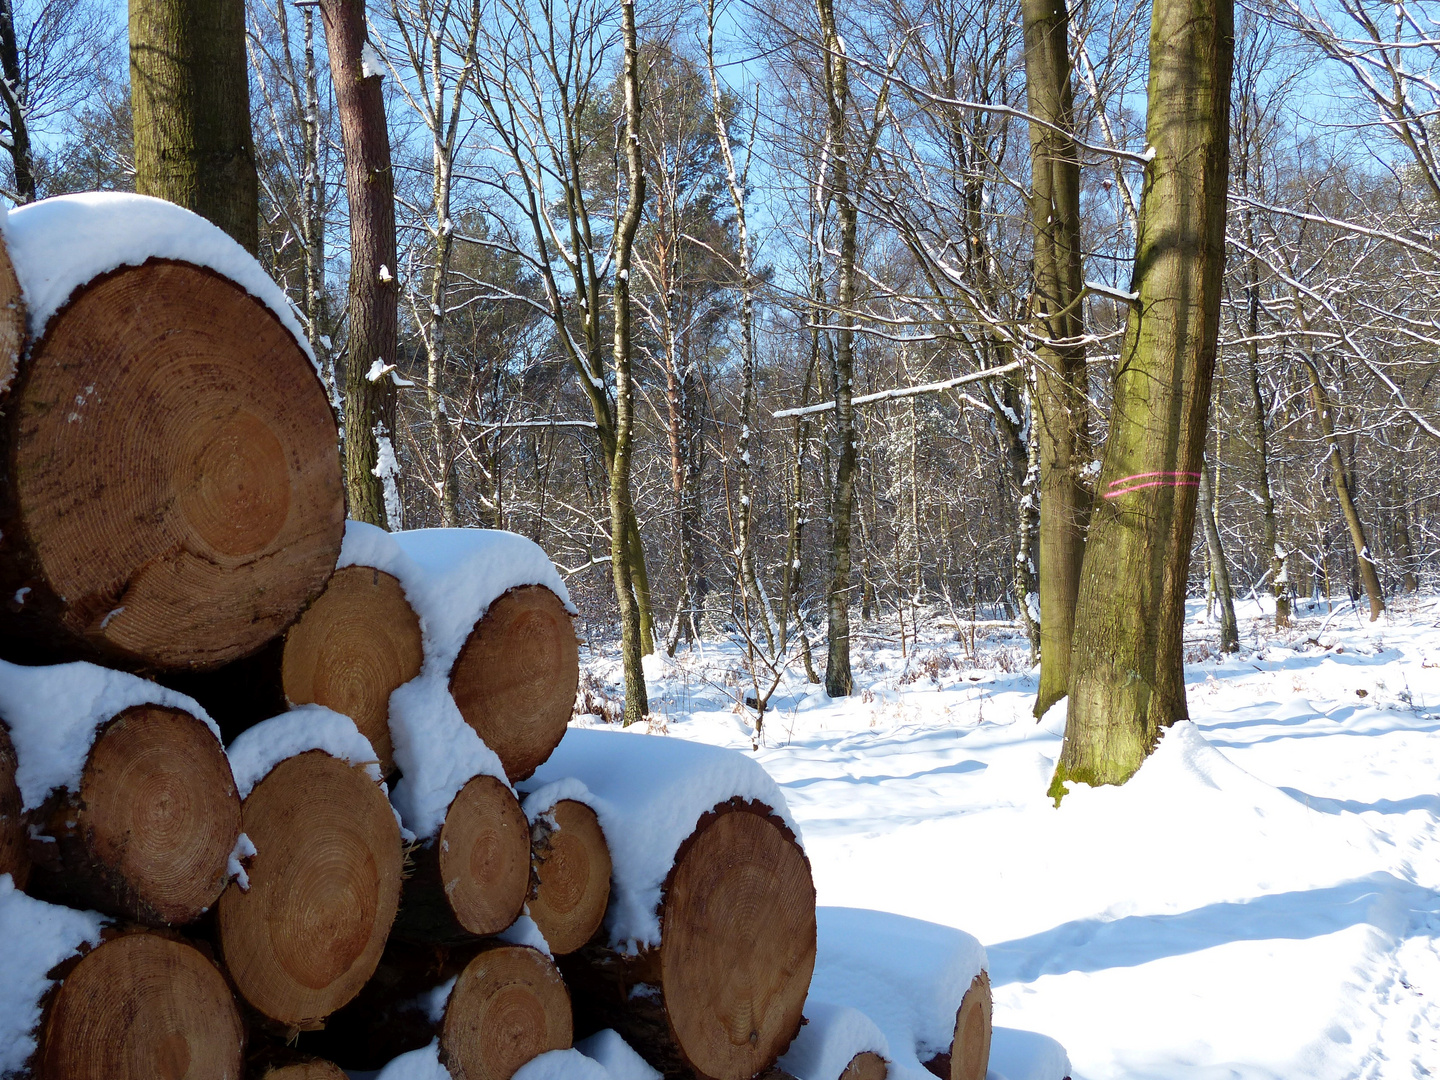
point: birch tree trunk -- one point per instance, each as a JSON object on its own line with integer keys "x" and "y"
{"x": 838, "y": 680}
{"x": 1127, "y": 678}
{"x": 1220, "y": 573}
{"x": 1060, "y": 381}
{"x": 190, "y": 97}
{"x": 370, "y": 465}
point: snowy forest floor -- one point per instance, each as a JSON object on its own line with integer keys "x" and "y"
{"x": 1262, "y": 900}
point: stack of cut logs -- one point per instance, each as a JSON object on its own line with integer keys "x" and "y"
{"x": 171, "y": 506}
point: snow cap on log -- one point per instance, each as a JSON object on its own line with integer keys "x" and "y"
{"x": 610, "y": 1049}
{"x": 831, "y": 1038}
{"x": 568, "y": 1064}
{"x": 54, "y": 712}
{"x": 37, "y": 936}
{"x": 306, "y": 727}
{"x": 649, "y": 792}
{"x": 60, "y": 244}
{"x": 908, "y": 976}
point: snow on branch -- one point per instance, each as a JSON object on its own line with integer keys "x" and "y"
{"x": 903, "y": 392}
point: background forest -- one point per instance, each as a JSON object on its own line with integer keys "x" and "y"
{"x": 760, "y": 286}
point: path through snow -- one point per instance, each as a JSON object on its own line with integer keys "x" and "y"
{"x": 1262, "y": 900}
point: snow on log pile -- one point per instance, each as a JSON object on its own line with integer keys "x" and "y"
{"x": 171, "y": 496}
{"x": 705, "y": 956}
{"x": 357, "y": 882}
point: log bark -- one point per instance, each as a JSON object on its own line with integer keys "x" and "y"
{"x": 140, "y": 1006}
{"x": 187, "y": 506}
{"x": 721, "y": 996}
{"x": 515, "y": 678}
{"x": 323, "y": 888}
{"x": 969, "y": 1055}
{"x": 14, "y": 841}
{"x": 148, "y": 834}
{"x": 507, "y": 1005}
{"x": 190, "y": 100}
{"x": 570, "y": 875}
{"x": 471, "y": 878}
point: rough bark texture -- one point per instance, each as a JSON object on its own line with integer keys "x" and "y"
{"x": 1126, "y": 679}
{"x": 308, "y": 932}
{"x": 570, "y": 876}
{"x": 140, "y": 1006}
{"x": 1060, "y": 378}
{"x": 507, "y": 1006}
{"x": 374, "y": 294}
{"x": 14, "y": 836}
{"x": 471, "y": 879}
{"x": 13, "y": 91}
{"x": 148, "y": 835}
{"x": 190, "y": 101}
{"x": 721, "y": 997}
{"x": 515, "y": 678}
{"x": 187, "y": 506}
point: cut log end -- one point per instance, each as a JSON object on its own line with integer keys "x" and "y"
{"x": 866, "y": 1065}
{"x": 969, "y": 1055}
{"x": 285, "y": 1063}
{"x": 14, "y": 842}
{"x": 149, "y": 834}
{"x": 738, "y": 942}
{"x": 516, "y": 675}
{"x": 571, "y": 863}
{"x": 484, "y": 855}
{"x": 324, "y": 886}
{"x": 202, "y": 445}
{"x": 141, "y": 1007}
{"x": 508, "y": 1007}
{"x": 352, "y": 648}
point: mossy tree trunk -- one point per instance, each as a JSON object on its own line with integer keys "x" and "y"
{"x": 190, "y": 99}
{"x": 1126, "y": 678}
{"x": 1060, "y": 380}
{"x": 374, "y": 297}
{"x": 624, "y": 546}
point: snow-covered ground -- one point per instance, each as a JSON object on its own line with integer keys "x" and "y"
{"x": 1262, "y": 900}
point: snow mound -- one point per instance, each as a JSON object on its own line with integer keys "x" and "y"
{"x": 562, "y": 1065}
{"x": 37, "y": 936}
{"x": 306, "y": 727}
{"x": 437, "y": 751}
{"x": 908, "y": 976}
{"x": 615, "y": 1054}
{"x": 648, "y": 792}
{"x": 1025, "y": 1055}
{"x": 524, "y": 931}
{"x": 422, "y": 1064}
{"x": 832, "y": 1035}
{"x": 62, "y": 243}
{"x": 55, "y": 712}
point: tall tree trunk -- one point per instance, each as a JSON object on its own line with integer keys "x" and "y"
{"x": 190, "y": 98}
{"x": 15, "y": 92}
{"x": 370, "y": 465}
{"x": 1219, "y": 572}
{"x": 1399, "y": 494}
{"x": 1060, "y": 380}
{"x": 1344, "y": 493}
{"x": 1279, "y": 583}
{"x": 437, "y": 340}
{"x": 317, "y": 311}
{"x": 624, "y": 530}
{"x": 838, "y": 680}
{"x": 1127, "y": 676}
